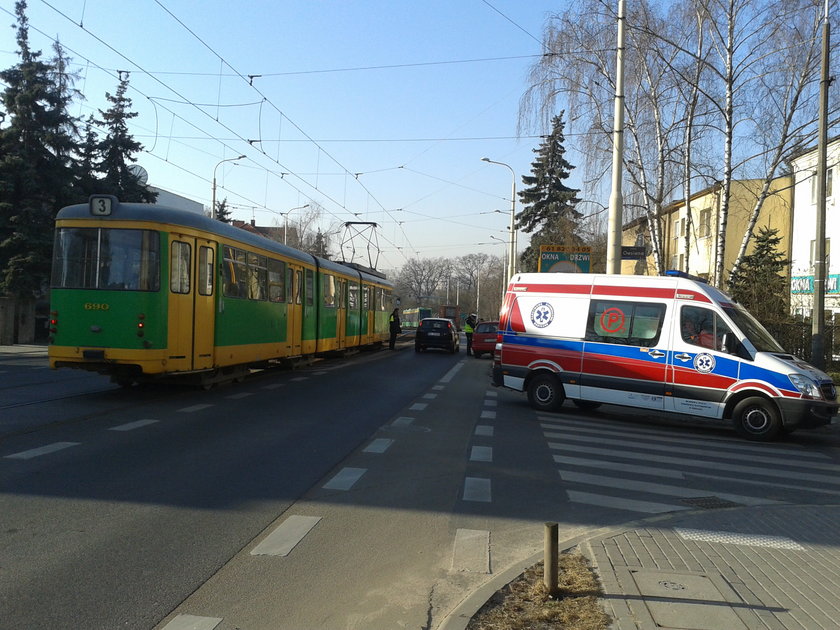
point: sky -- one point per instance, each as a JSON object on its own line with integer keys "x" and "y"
{"x": 376, "y": 111}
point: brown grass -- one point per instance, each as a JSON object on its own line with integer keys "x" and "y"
{"x": 524, "y": 604}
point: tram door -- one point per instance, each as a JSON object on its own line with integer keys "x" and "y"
{"x": 341, "y": 315}
{"x": 294, "y": 329}
{"x": 191, "y": 313}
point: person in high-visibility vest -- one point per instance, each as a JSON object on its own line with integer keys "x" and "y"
{"x": 469, "y": 329}
{"x": 394, "y": 327}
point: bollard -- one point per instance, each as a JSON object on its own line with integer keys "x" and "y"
{"x": 550, "y": 560}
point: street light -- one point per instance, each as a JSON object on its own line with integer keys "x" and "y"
{"x": 286, "y": 220}
{"x": 241, "y": 157}
{"x": 512, "y": 247}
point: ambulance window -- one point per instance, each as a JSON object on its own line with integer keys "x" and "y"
{"x": 702, "y": 327}
{"x": 628, "y": 323}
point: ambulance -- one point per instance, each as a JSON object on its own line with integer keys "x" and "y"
{"x": 669, "y": 343}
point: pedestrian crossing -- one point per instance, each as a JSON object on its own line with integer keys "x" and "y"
{"x": 643, "y": 470}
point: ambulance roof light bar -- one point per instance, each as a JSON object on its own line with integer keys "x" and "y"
{"x": 676, "y": 273}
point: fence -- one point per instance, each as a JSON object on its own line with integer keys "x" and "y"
{"x": 795, "y": 337}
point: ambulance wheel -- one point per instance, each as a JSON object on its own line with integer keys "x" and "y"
{"x": 545, "y": 393}
{"x": 586, "y": 405}
{"x": 757, "y": 418}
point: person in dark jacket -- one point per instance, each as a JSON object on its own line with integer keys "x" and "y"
{"x": 394, "y": 327}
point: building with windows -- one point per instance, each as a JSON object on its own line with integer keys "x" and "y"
{"x": 804, "y": 166}
{"x": 689, "y": 237}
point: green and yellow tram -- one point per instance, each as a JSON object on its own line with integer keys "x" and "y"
{"x": 141, "y": 292}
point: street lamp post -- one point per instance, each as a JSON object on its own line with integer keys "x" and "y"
{"x": 504, "y": 258}
{"x": 241, "y": 157}
{"x": 286, "y": 221}
{"x": 512, "y": 247}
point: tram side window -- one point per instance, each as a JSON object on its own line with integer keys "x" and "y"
{"x": 329, "y": 291}
{"x": 298, "y": 287}
{"x": 205, "y": 270}
{"x": 234, "y": 272}
{"x": 257, "y": 277}
{"x": 310, "y": 287}
{"x": 179, "y": 267}
{"x": 353, "y": 296}
{"x": 366, "y": 299}
{"x": 106, "y": 258}
{"x": 276, "y": 281}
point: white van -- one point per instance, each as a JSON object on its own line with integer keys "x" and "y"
{"x": 668, "y": 343}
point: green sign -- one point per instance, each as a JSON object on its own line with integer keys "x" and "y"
{"x": 564, "y": 258}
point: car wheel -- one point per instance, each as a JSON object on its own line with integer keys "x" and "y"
{"x": 757, "y": 418}
{"x": 545, "y": 392}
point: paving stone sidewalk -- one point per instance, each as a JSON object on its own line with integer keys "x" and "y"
{"x": 768, "y": 567}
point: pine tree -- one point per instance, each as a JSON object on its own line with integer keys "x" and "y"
{"x": 759, "y": 284}
{"x": 547, "y": 200}
{"x": 118, "y": 149}
{"x": 36, "y": 172}
{"x": 223, "y": 211}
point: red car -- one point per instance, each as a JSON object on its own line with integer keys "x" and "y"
{"x": 484, "y": 338}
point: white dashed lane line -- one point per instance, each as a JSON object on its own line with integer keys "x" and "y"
{"x": 193, "y": 622}
{"x": 481, "y": 454}
{"x": 477, "y": 489}
{"x": 379, "y": 445}
{"x": 288, "y": 534}
{"x": 484, "y": 430}
{"x": 130, "y": 426}
{"x": 488, "y": 415}
{"x": 402, "y": 422}
{"x": 239, "y": 395}
{"x": 195, "y": 408}
{"x": 345, "y": 479}
{"x": 43, "y": 450}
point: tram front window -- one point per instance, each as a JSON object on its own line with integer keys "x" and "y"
{"x": 104, "y": 258}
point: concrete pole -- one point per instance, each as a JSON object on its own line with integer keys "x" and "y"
{"x": 818, "y": 312}
{"x": 616, "y": 198}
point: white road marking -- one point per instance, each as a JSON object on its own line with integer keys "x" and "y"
{"x": 484, "y": 430}
{"x": 274, "y": 385}
{"x": 195, "y": 408}
{"x": 788, "y": 475}
{"x": 43, "y": 450}
{"x": 601, "y": 464}
{"x": 402, "y": 421}
{"x": 192, "y": 622}
{"x": 471, "y": 551}
{"x": 288, "y": 534}
{"x": 622, "y": 504}
{"x": 379, "y": 445}
{"x": 298, "y": 379}
{"x": 345, "y": 479}
{"x": 321, "y": 373}
{"x": 240, "y": 395}
{"x": 429, "y": 396}
{"x": 489, "y": 402}
{"x": 657, "y": 488}
{"x": 451, "y": 373}
{"x": 438, "y": 387}
{"x": 481, "y": 454}
{"x": 418, "y": 406}
{"x": 130, "y": 426}
{"x": 477, "y": 489}
{"x": 488, "y": 415}
{"x": 738, "y": 538}
{"x": 491, "y": 393}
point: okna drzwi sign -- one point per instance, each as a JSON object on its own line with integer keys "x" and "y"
{"x": 805, "y": 284}
{"x": 564, "y": 258}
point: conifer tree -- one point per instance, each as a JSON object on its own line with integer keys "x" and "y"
{"x": 759, "y": 283}
{"x": 118, "y": 148}
{"x": 222, "y": 212}
{"x": 36, "y": 171}
{"x": 549, "y": 205}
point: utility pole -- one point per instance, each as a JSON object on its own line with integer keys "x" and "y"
{"x": 818, "y": 312}
{"x": 616, "y": 198}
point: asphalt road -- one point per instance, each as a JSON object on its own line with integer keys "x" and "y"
{"x": 372, "y": 492}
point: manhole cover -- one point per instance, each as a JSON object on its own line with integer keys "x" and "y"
{"x": 709, "y": 503}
